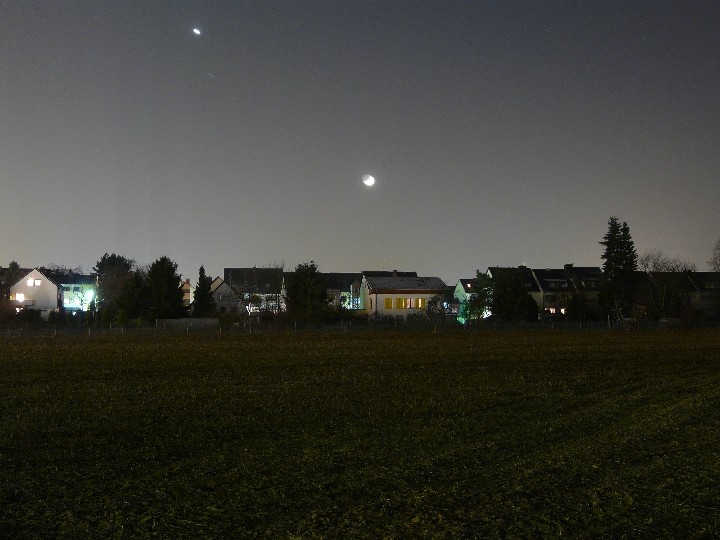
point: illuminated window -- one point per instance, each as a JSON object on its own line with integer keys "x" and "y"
{"x": 421, "y": 303}
{"x": 37, "y": 282}
{"x": 30, "y": 282}
{"x": 401, "y": 303}
{"x": 20, "y": 297}
{"x": 388, "y": 303}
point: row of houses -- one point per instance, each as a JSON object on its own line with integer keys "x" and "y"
{"x": 381, "y": 292}
{"x": 390, "y": 293}
{"x": 657, "y": 294}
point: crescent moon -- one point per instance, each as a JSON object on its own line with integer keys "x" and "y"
{"x": 368, "y": 179}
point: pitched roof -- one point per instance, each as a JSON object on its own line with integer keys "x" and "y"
{"x": 527, "y": 275}
{"x": 405, "y": 283}
{"x": 387, "y": 273}
{"x": 340, "y": 280}
{"x": 552, "y": 278}
{"x": 706, "y": 281}
{"x": 585, "y": 278}
{"x": 467, "y": 284}
{"x": 5, "y": 275}
{"x": 59, "y": 277}
{"x": 255, "y": 280}
{"x": 216, "y": 283}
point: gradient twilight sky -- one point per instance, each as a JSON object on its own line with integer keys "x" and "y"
{"x": 500, "y": 133}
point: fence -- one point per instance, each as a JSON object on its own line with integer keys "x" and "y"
{"x": 210, "y": 327}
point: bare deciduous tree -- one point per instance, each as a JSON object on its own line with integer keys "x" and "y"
{"x": 655, "y": 260}
{"x": 714, "y": 261}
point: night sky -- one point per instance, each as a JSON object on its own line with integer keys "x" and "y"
{"x": 499, "y": 133}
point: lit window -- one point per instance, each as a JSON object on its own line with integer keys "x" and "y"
{"x": 30, "y": 282}
{"x": 421, "y": 303}
{"x": 401, "y": 303}
{"x": 20, "y": 297}
{"x": 37, "y": 282}
{"x": 388, "y": 303}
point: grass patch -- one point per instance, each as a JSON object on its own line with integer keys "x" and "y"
{"x": 367, "y": 435}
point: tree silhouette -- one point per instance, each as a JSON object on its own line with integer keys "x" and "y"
{"x": 203, "y": 301}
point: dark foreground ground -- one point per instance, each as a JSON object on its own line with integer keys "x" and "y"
{"x": 376, "y": 435}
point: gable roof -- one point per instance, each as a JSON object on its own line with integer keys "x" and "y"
{"x": 5, "y": 275}
{"x": 552, "y": 279}
{"x": 531, "y": 284}
{"x": 341, "y": 281}
{"x": 58, "y": 278}
{"x": 467, "y": 284}
{"x": 217, "y": 282}
{"x": 587, "y": 278}
{"x": 706, "y": 281}
{"x": 255, "y": 280}
{"x": 391, "y": 283}
{"x": 387, "y": 273}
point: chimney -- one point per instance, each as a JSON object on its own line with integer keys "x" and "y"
{"x": 394, "y": 273}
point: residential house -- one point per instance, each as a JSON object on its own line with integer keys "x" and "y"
{"x": 8, "y": 278}
{"x": 398, "y": 294}
{"x": 46, "y": 290}
{"x": 227, "y": 300}
{"x": 462, "y": 293}
{"x": 587, "y": 284}
{"x": 522, "y": 273}
{"x": 677, "y": 295}
{"x": 450, "y": 303}
{"x": 188, "y": 292}
{"x": 343, "y": 288}
{"x": 705, "y": 296}
{"x": 261, "y": 289}
{"x": 556, "y": 290}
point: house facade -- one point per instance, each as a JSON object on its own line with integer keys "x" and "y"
{"x": 46, "y": 291}
{"x": 343, "y": 288}
{"x": 35, "y": 291}
{"x": 705, "y": 296}
{"x": 188, "y": 292}
{"x": 464, "y": 289}
{"x": 555, "y": 291}
{"x": 261, "y": 289}
{"x": 398, "y": 294}
{"x": 227, "y": 300}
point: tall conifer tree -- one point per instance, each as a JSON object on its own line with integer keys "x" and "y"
{"x": 203, "y": 301}
{"x": 618, "y": 269}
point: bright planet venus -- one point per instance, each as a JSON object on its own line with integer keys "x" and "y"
{"x": 368, "y": 179}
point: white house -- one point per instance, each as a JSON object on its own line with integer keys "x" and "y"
{"x": 35, "y": 291}
{"x": 398, "y": 294}
{"x": 227, "y": 300}
{"x": 463, "y": 292}
{"x": 44, "y": 291}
